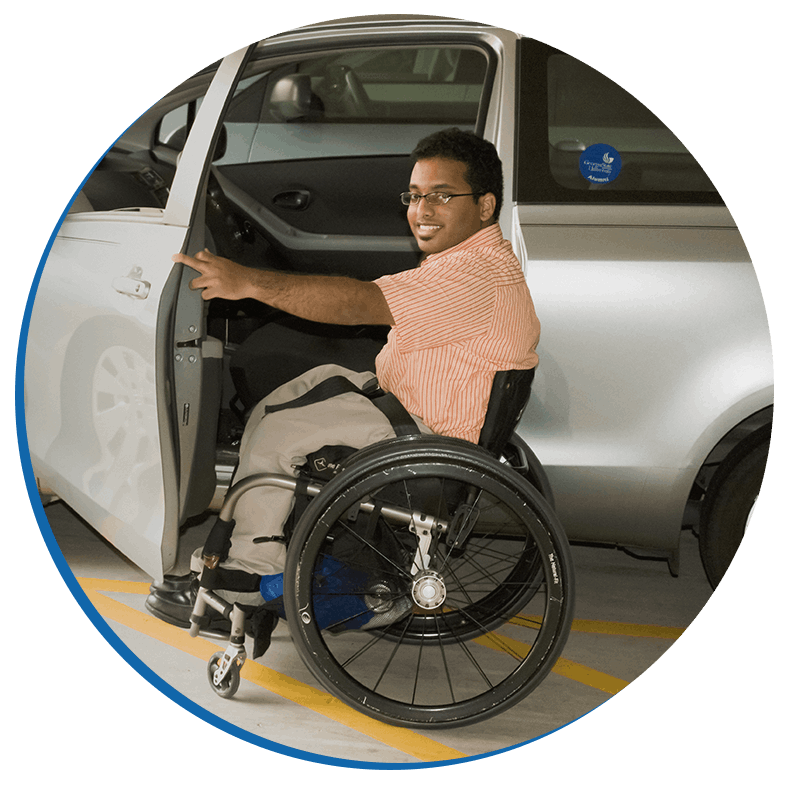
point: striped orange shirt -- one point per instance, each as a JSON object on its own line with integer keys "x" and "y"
{"x": 461, "y": 316}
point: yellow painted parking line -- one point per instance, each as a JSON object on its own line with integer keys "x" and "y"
{"x": 589, "y": 676}
{"x": 113, "y": 585}
{"x": 565, "y": 667}
{"x": 328, "y": 705}
{"x": 403, "y": 739}
{"x": 627, "y": 629}
{"x": 611, "y": 627}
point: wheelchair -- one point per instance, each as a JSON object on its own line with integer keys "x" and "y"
{"x": 428, "y": 583}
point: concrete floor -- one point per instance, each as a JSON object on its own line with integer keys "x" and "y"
{"x": 629, "y": 612}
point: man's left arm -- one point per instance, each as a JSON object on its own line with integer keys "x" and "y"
{"x": 325, "y": 299}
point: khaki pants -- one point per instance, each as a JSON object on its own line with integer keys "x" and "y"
{"x": 279, "y": 443}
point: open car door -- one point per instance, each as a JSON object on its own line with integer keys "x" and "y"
{"x": 119, "y": 379}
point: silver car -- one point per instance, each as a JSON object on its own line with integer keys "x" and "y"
{"x": 652, "y": 404}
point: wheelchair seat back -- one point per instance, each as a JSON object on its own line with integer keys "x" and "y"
{"x": 511, "y": 390}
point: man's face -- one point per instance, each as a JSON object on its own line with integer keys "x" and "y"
{"x": 437, "y": 228}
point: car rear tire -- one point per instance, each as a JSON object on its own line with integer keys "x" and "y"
{"x": 728, "y": 502}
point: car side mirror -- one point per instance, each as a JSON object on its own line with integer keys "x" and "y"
{"x": 177, "y": 140}
{"x": 221, "y": 145}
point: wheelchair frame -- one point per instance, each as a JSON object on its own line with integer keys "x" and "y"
{"x": 463, "y": 547}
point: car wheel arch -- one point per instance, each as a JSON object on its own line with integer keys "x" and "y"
{"x": 729, "y": 441}
{"x": 730, "y": 447}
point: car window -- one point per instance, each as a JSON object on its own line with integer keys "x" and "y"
{"x": 131, "y": 175}
{"x": 172, "y": 128}
{"x": 353, "y": 102}
{"x": 585, "y": 108}
{"x": 596, "y": 142}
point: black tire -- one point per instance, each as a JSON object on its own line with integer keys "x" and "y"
{"x": 521, "y": 457}
{"x": 502, "y": 618}
{"x": 728, "y": 502}
{"x": 229, "y": 686}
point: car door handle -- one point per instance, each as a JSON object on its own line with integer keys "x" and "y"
{"x": 293, "y": 199}
{"x": 132, "y": 286}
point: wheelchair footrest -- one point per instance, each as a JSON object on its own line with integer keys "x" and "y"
{"x": 230, "y": 579}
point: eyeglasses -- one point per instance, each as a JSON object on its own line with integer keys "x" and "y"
{"x": 433, "y": 199}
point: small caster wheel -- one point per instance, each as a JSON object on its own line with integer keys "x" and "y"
{"x": 230, "y": 684}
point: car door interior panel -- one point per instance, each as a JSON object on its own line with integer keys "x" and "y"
{"x": 338, "y": 196}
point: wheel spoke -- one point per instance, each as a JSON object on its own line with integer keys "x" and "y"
{"x": 461, "y": 636}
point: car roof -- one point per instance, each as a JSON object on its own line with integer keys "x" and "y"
{"x": 381, "y": 20}
{"x": 388, "y": 19}
{"x": 365, "y": 22}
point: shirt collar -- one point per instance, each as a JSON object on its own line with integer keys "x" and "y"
{"x": 490, "y": 235}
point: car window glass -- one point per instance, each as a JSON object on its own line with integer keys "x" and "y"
{"x": 132, "y": 175}
{"x": 585, "y": 108}
{"x": 352, "y": 102}
{"x": 172, "y": 128}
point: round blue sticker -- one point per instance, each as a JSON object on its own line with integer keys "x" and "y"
{"x": 600, "y": 163}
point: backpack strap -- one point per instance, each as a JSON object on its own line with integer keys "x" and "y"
{"x": 324, "y": 390}
{"x": 396, "y": 413}
{"x": 384, "y": 401}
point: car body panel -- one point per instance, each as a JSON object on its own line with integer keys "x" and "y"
{"x": 666, "y": 368}
{"x": 100, "y": 397}
{"x": 93, "y": 347}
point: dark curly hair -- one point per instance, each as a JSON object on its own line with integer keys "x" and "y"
{"x": 484, "y": 168}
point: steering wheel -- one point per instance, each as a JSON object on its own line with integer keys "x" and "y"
{"x": 344, "y": 92}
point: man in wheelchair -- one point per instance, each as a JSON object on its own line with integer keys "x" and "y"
{"x": 464, "y": 314}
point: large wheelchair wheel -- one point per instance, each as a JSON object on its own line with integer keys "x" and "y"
{"x": 428, "y": 584}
